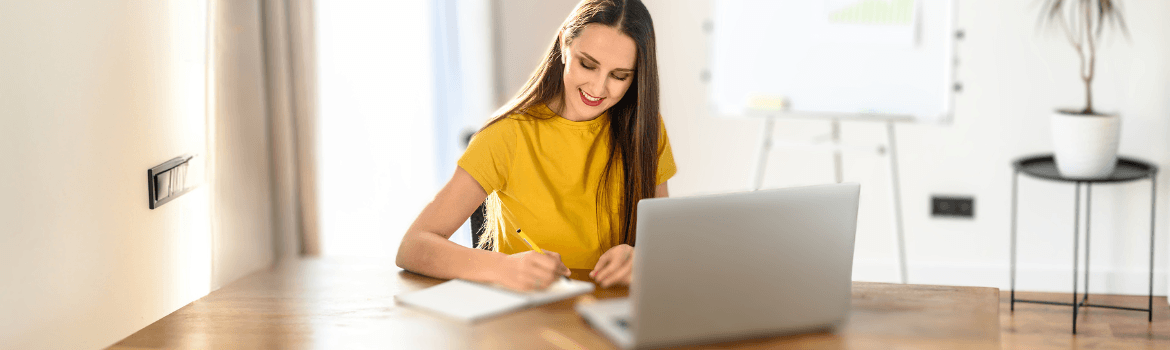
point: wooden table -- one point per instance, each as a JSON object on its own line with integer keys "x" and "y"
{"x": 349, "y": 304}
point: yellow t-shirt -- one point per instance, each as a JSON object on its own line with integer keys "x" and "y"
{"x": 546, "y": 171}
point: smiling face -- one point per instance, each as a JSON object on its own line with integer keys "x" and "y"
{"x": 599, "y": 68}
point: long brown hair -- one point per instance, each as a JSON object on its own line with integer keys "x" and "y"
{"x": 633, "y": 121}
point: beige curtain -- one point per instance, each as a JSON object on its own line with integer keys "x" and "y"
{"x": 291, "y": 77}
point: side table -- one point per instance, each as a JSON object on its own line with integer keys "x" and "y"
{"x": 1044, "y": 167}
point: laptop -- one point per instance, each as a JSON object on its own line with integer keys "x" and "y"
{"x": 735, "y": 266}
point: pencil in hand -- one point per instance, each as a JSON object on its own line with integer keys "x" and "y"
{"x": 527, "y": 241}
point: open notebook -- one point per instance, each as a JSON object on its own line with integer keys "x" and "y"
{"x": 470, "y": 301}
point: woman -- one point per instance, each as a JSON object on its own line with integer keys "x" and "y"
{"x": 566, "y": 161}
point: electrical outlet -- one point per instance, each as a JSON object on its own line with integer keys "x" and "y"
{"x": 952, "y": 206}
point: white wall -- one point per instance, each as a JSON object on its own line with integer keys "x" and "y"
{"x": 527, "y": 28}
{"x": 1013, "y": 77}
{"x": 92, "y": 94}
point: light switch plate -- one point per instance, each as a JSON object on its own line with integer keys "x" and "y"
{"x": 167, "y": 181}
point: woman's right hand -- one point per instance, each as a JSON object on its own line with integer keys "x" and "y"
{"x": 531, "y": 270}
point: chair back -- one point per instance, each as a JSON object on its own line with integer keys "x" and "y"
{"x": 477, "y": 221}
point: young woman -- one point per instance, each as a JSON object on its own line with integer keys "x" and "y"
{"x": 566, "y": 161}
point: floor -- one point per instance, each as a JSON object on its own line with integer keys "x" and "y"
{"x": 1037, "y": 326}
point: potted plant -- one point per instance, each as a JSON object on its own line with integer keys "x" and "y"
{"x": 1084, "y": 141}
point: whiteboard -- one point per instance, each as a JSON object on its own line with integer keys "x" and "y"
{"x": 834, "y": 58}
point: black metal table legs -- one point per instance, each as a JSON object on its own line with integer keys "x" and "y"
{"x": 1083, "y": 299}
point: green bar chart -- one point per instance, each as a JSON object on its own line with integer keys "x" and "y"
{"x": 887, "y": 12}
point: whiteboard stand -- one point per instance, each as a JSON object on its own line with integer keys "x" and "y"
{"x": 765, "y": 146}
{"x": 895, "y": 183}
{"x": 896, "y": 196}
{"x": 837, "y": 162}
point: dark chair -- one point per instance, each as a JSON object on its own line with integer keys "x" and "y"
{"x": 477, "y": 219}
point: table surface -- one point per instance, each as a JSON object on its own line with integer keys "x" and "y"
{"x": 349, "y": 304}
{"x": 1044, "y": 166}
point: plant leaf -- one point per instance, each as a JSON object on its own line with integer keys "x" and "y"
{"x": 1054, "y": 7}
{"x": 1049, "y": 10}
{"x": 1108, "y": 11}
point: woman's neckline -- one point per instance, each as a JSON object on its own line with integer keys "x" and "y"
{"x": 589, "y": 123}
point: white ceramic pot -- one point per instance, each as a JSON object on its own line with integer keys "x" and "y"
{"x": 1085, "y": 145}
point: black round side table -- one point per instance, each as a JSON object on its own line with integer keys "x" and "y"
{"x": 1044, "y": 167}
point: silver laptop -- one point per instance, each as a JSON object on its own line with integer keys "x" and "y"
{"x": 736, "y": 266}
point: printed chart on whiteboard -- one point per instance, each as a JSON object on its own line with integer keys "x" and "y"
{"x": 833, "y": 58}
{"x": 887, "y": 23}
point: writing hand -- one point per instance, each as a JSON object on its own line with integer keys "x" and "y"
{"x": 531, "y": 270}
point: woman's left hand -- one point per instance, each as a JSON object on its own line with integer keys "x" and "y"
{"x": 614, "y": 267}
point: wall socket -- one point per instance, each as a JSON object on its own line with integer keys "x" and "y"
{"x": 952, "y": 206}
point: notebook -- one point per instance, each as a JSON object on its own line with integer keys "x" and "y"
{"x": 469, "y": 301}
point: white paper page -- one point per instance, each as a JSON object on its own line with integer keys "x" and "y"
{"x": 469, "y": 301}
{"x": 559, "y": 290}
{"x": 464, "y": 300}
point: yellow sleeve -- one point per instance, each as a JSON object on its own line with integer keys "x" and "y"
{"x": 488, "y": 157}
{"x": 666, "y": 167}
